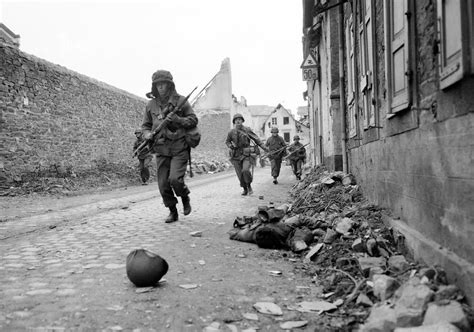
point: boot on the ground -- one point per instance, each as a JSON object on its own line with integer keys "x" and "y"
{"x": 275, "y": 181}
{"x": 173, "y": 216}
{"x": 245, "y": 192}
{"x": 186, "y": 205}
{"x": 249, "y": 189}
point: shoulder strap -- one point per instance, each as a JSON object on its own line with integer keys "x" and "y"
{"x": 243, "y": 132}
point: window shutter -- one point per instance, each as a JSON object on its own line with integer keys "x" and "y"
{"x": 367, "y": 64}
{"x": 453, "y": 37}
{"x": 370, "y": 64}
{"x": 350, "y": 61}
{"x": 400, "y": 66}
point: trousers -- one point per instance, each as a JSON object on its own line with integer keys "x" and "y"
{"x": 276, "y": 166}
{"x": 143, "y": 168}
{"x": 243, "y": 169}
{"x": 296, "y": 166}
{"x": 170, "y": 174}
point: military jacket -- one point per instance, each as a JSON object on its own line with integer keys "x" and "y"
{"x": 239, "y": 141}
{"x": 297, "y": 151}
{"x": 275, "y": 143}
{"x": 170, "y": 141}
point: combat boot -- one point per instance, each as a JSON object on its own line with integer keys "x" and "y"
{"x": 245, "y": 192}
{"x": 173, "y": 216}
{"x": 249, "y": 189}
{"x": 186, "y": 205}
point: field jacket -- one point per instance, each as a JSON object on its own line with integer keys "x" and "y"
{"x": 170, "y": 140}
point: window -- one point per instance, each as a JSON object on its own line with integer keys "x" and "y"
{"x": 286, "y": 120}
{"x": 453, "y": 36}
{"x": 366, "y": 57}
{"x": 397, "y": 55}
{"x": 286, "y": 137}
{"x": 274, "y": 121}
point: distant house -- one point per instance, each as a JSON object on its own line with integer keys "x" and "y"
{"x": 259, "y": 114}
{"x": 284, "y": 121}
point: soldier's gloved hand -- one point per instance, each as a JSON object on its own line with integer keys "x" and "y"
{"x": 148, "y": 136}
{"x": 172, "y": 117}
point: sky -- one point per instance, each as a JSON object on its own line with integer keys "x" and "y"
{"x": 123, "y": 42}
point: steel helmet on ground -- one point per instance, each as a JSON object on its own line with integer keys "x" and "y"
{"x": 274, "y": 130}
{"x": 145, "y": 268}
{"x": 237, "y": 116}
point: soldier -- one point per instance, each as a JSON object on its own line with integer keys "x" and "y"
{"x": 169, "y": 145}
{"x": 277, "y": 150}
{"x": 144, "y": 157}
{"x": 297, "y": 156}
{"x": 242, "y": 152}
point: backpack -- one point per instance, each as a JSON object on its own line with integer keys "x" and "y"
{"x": 193, "y": 137}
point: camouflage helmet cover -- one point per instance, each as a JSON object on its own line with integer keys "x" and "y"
{"x": 162, "y": 76}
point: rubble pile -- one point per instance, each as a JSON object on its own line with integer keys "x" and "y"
{"x": 356, "y": 260}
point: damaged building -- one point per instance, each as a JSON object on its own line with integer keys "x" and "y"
{"x": 389, "y": 91}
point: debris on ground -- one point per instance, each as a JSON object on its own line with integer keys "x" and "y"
{"x": 368, "y": 281}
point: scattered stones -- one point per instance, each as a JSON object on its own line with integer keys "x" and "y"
{"x": 268, "y": 308}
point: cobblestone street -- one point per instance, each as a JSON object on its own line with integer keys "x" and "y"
{"x": 70, "y": 275}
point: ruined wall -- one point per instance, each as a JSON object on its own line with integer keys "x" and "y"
{"x": 422, "y": 165}
{"x": 214, "y": 129}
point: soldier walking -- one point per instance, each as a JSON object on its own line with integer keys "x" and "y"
{"x": 243, "y": 150}
{"x": 144, "y": 157}
{"x": 297, "y": 156}
{"x": 277, "y": 150}
{"x": 169, "y": 145}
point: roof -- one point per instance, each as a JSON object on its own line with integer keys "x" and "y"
{"x": 275, "y": 109}
{"x": 260, "y": 110}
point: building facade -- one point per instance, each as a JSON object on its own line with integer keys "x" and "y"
{"x": 393, "y": 104}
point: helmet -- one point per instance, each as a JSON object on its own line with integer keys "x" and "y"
{"x": 296, "y": 137}
{"x": 162, "y": 76}
{"x": 138, "y": 131}
{"x": 237, "y": 116}
{"x": 274, "y": 130}
{"x": 145, "y": 268}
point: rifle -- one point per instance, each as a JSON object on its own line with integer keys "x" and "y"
{"x": 286, "y": 157}
{"x": 163, "y": 124}
{"x": 273, "y": 152}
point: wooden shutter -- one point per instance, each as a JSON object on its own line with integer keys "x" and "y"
{"x": 453, "y": 29}
{"x": 399, "y": 55}
{"x": 367, "y": 63}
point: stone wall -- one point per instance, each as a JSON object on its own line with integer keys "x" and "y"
{"x": 54, "y": 118}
